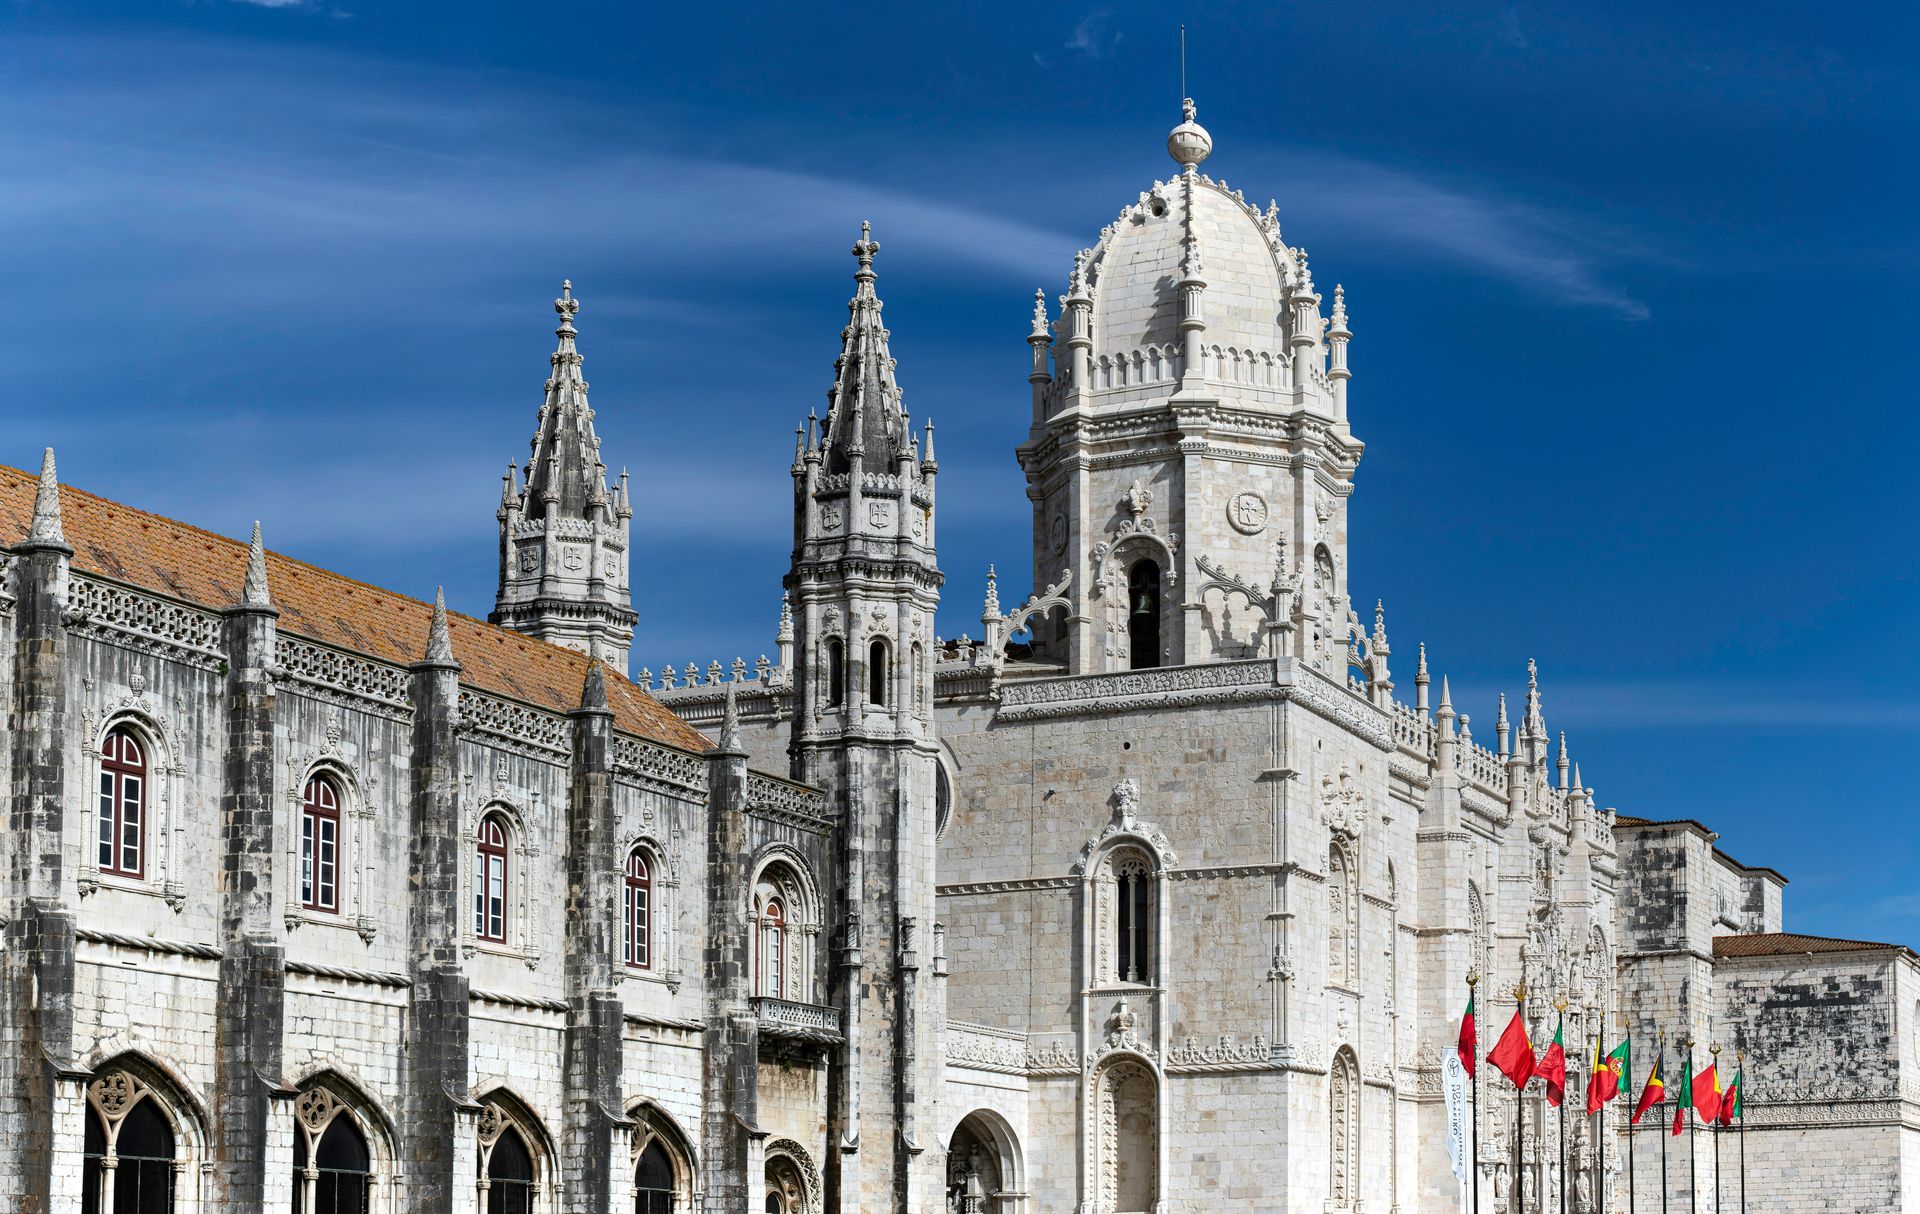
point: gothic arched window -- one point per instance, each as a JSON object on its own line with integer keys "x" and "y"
{"x": 639, "y": 911}
{"x": 877, "y": 673}
{"x": 1143, "y": 614}
{"x": 490, "y": 880}
{"x": 320, "y": 845}
{"x": 836, "y": 673}
{"x": 653, "y": 1181}
{"x": 1343, "y": 1129}
{"x": 773, "y": 948}
{"x": 509, "y": 1173}
{"x": 1133, "y": 919}
{"x": 336, "y": 1177}
{"x": 122, "y": 820}
{"x": 128, "y": 1152}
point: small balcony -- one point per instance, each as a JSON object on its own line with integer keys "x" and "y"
{"x": 798, "y": 1021}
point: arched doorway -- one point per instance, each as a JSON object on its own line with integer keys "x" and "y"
{"x": 1127, "y": 1137}
{"x": 983, "y": 1166}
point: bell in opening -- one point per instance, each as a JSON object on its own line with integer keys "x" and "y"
{"x": 1143, "y": 614}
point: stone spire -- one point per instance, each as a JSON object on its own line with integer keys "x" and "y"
{"x": 865, "y": 421}
{"x": 46, "y": 505}
{"x": 563, "y": 535}
{"x": 593, "y": 688}
{"x": 1421, "y": 681}
{"x": 254, "y": 592}
{"x": 1501, "y": 726}
{"x": 439, "y": 644}
{"x": 730, "y": 722}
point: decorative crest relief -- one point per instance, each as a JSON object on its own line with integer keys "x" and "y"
{"x": 1341, "y": 808}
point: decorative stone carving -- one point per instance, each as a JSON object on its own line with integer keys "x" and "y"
{"x": 1342, "y": 810}
{"x": 1247, "y": 513}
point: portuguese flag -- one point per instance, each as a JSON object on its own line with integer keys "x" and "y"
{"x": 1469, "y": 1038}
{"x": 1706, "y": 1094}
{"x": 1730, "y": 1103}
{"x": 1607, "y": 1072}
{"x": 1553, "y": 1067}
{"x": 1513, "y": 1053}
{"x": 1685, "y": 1101}
{"x": 1652, "y": 1094}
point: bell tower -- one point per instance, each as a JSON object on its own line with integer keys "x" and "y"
{"x": 1189, "y": 458}
{"x": 563, "y": 535}
{"x": 864, "y": 585}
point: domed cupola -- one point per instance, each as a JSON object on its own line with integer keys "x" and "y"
{"x": 1190, "y": 457}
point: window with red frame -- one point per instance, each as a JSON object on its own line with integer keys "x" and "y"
{"x": 490, "y": 880}
{"x": 320, "y": 846}
{"x": 639, "y": 950}
{"x": 122, "y": 823}
{"x": 773, "y": 948}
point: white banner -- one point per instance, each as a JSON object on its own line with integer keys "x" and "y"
{"x": 1453, "y": 1082}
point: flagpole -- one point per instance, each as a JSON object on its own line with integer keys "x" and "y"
{"x": 1561, "y": 1005}
{"x": 1741, "y": 1113}
{"x": 1473, "y": 1163}
{"x": 1519, "y": 1116}
{"x": 1714, "y": 1049}
{"x": 1693, "y": 1148}
{"x": 1664, "y": 1133}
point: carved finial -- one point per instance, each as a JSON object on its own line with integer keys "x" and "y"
{"x": 927, "y": 457}
{"x": 1380, "y": 619}
{"x": 1446, "y": 698}
{"x": 864, "y": 248}
{"x": 1563, "y": 760}
{"x": 993, "y": 594}
{"x": 1039, "y": 332}
{"x": 439, "y": 643}
{"x": 1420, "y": 675}
{"x": 46, "y": 505}
{"x": 593, "y": 689}
{"x": 253, "y": 593}
{"x": 785, "y": 635}
{"x": 1339, "y": 308}
{"x": 1189, "y": 143}
{"x": 730, "y": 721}
{"x": 567, "y": 306}
{"x": 1077, "y": 281}
{"x": 1577, "y": 785}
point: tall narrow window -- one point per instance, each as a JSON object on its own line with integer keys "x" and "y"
{"x": 836, "y": 673}
{"x": 509, "y": 1175}
{"x": 336, "y": 1178}
{"x": 639, "y": 916}
{"x": 320, "y": 846}
{"x": 122, "y": 825}
{"x": 773, "y": 948}
{"x": 127, "y": 1164}
{"x": 877, "y": 673}
{"x": 1341, "y": 948}
{"x": 1343, "y": 1129}
{"x": 1143, "y": 614}
{"x": 490, "y": 880}
{"x": 1133, "y": 920}
{"x": 653, "y": 1184}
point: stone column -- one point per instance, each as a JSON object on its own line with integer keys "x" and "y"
{"x": 730, "y": 1109}
{"x": 594, "y": 1023}
{"x": 434, "y": 1073}
{"x": 249, "y": 1024}
{"x": 38, "y": 911}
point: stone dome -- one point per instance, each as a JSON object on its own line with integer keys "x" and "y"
{"x": 1133, "y": 271}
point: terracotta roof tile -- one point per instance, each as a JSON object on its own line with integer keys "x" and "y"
{"x": 1783, "y": 944}
{"x": 185, "y": 562}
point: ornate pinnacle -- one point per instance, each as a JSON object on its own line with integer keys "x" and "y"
{"x": 567, "y": 306}
{"x": 1339, "y": 308}
{"x": 927, "y": 456}
{"x": 785, "y": 635}
{"x": 439, "y": 644}
{"x": 593, "y": 689}
{"x": 730, "y": 721}
{"x": 992, "y": 611}
{"x": 864, "y": 248}
{"x": 1446, "y": 697}
{"x": 253, "y": 592}
{"x": 1040, "y": 332}
{"x": 46, "y": 505}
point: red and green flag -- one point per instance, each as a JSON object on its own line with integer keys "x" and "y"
{"x": 1734, "y": 1098}
{"x": 1553, "y": 1067}
{"x": 1604, "y": 1084}
{"x": 1469, "y": 1038}
{"x": 1685, "y": 1100}
{"x": 1706, "y": 1094}
{"x": 1513, "y": 1053}
{"x": 1652, "y": 1094}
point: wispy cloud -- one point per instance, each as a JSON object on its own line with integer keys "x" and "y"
{"x": 1092, "y": 36}
{"x": 1703, "y": 704}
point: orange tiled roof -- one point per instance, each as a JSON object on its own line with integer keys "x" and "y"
{"x": 1784, "y": 944}
{"x": 182, "y": 561}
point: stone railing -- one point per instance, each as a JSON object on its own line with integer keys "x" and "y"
{"x": 1411, "y": 729}
{"x": 1119, "y": 692}
{"x": 650, "y": 761}
{"x": 513, "y": 722}
{"x": 337, "y": 671}
{"x": 981, "y": 1048}
{"x": 151, "y": 623}
{"x": 805, "y": 1021}
{"x": 1484, "y": 768}
{"x": 786, "y": 801}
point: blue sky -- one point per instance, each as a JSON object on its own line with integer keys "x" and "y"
{"x": 1628, "y": 287}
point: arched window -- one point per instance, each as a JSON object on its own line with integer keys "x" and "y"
{"x": 1343, "y": 1129}
{"x": 773, "y": 948}
{"x": 320, "y": 845}
{"x": 1340, "y": 920}
{"x": 335, "y": 1176}
{"x": 1133, "y": 900}
{"x": 490, "y": 880}
{"x": 1127, "y": 1107}
{"x": 122, "y": 823}
{"x": 509, "y": 1173}
{"x": 128, "y": 1152}
{"x": 877, "y": 673}
{"x": 653, "y": 1181}
{"x": 1143, "y": 614}
{"x": 786, "y": 1188}
{"x": 639, "y": 911}
{"x": 836, "y": 673}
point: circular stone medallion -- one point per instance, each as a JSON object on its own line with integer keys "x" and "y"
{"x": 1248, "y": 513}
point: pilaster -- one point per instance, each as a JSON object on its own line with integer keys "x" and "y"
{"x": 730, "y": 1110}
